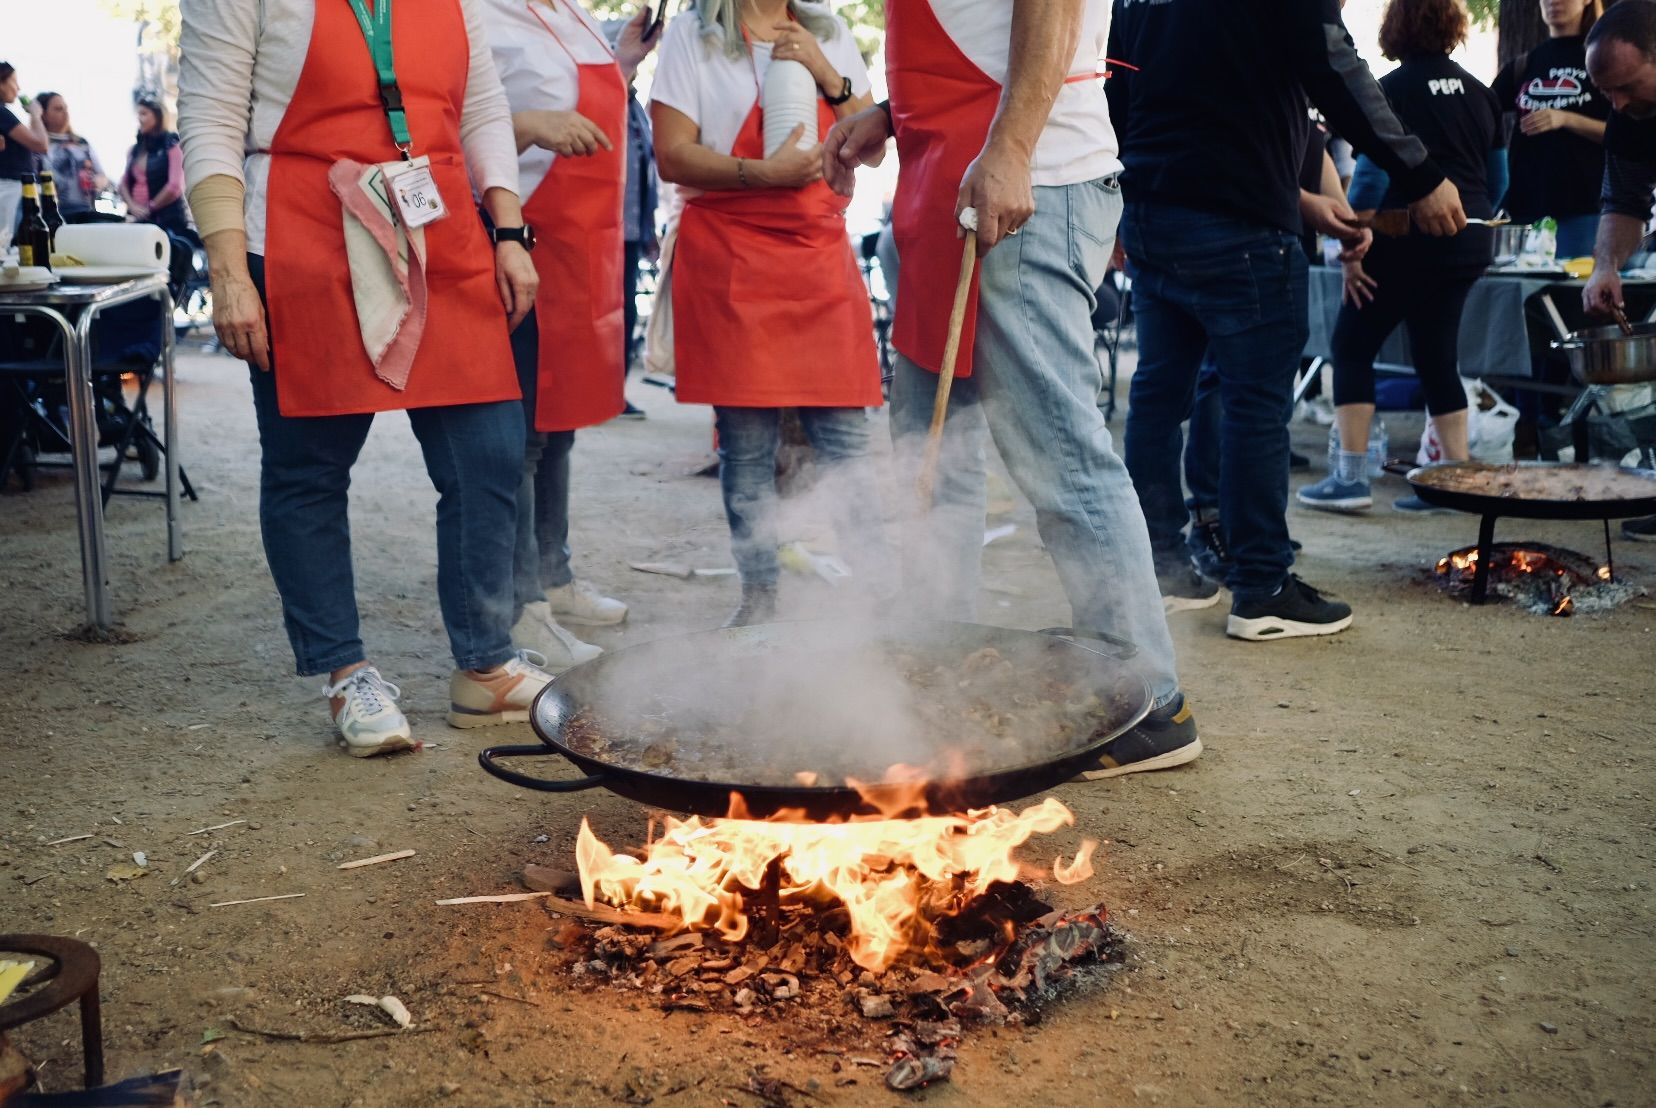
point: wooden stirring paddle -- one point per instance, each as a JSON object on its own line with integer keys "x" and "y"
{"x": 951, "y": 351}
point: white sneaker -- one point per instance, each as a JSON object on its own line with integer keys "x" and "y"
{"x": 581, "y": 602}
{"x": 364, "y": 708}
{"x": 537, "y": 631}
{"x": 503, "y": 696}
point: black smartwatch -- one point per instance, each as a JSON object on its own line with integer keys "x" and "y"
{"x": 525, "y": 236}
{"x": 845, "y": 93}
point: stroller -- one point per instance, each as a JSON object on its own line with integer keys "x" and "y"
{"x": 126, "y": 347}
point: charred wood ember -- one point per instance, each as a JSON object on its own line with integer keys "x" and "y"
{"x": 1008, "y": 954}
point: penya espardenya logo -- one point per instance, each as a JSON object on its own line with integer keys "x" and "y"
{"x": 1560, "y": 88}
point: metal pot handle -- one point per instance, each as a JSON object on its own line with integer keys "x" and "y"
{"x": 487, "y": 758}
{"x": 1124, "y": 648}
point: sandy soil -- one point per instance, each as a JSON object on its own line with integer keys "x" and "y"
{"x": 1414, "y": 866}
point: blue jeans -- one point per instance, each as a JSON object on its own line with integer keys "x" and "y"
{"x": 540, "y": 559}
{"x": 1201, "y": 454}
{"x": 471, "y": 454}
{"x": 1210, "y": 285}
{"x": 1034, "y": 390}
{"x": 1576, "y": 234}
{"x": 748, "y": 441}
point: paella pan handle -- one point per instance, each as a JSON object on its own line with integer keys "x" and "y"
{"x": 1124, "y": 648}
{"x": 489, "y": 760}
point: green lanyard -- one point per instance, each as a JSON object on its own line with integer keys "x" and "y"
{"x": 376, "y": 31}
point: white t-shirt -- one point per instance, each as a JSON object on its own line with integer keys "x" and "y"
{"x": 538, "y": 72}
{"x": 1079, "y": 143}
{"x": 696, "y": 76}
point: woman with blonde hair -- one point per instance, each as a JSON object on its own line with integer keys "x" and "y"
{"x": 769, "y": 309}
{"x": 1558, "y": 146}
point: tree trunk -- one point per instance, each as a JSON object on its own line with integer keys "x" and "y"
{"x": 1521, "y": 29}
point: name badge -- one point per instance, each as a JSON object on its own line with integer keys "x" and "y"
{"x": 415, "y": 191}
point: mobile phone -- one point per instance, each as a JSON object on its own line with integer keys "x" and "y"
{"x": 654, "y": 28}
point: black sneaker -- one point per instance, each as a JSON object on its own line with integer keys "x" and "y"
{"x": 1182, "y": 588}
{"x": 1640, "y": 530}
{"x": 1161, "y": 740}
{"x": 632, "y": 411}
{"x": 1207, "y": 549}
{"x": 1296, "y": 610}
{"x": 1297, "y": 461}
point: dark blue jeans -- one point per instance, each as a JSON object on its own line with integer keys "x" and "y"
{"x": 1206, "y": 284}
{"x": 541, "y": 558}
{"x": 473, "y": 454}
{"x": 1201, "y": 455}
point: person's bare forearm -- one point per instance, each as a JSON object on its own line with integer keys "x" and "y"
{"x": 1331, "y": 184}
{"x": 227, "y": 253}
{"x": 1586, "y": 126}
{"x": 1044, "y": 38}
{"x": 504, "y": 208}
{"x": 1618, "y": 237}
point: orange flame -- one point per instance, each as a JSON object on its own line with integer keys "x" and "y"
{"x": 894, "y": 877}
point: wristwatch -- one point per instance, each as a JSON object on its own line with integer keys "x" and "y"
{"x": 845, "y": 93}
{"x": 524, "y": 235}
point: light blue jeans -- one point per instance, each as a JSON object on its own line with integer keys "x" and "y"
{"x": 749, "y": 439}
{"x": 1034, "y": 390}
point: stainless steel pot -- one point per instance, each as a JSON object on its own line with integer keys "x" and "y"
{"x": 1509, "y": 243}
{"x": 1606, "y": 356}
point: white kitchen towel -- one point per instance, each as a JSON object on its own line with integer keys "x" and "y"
{"x": 387, "y": 264}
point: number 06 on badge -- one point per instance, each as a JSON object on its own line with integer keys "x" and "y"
{"x": 415, "y": 191}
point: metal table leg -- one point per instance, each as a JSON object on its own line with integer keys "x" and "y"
{"x": 169, "y": 402}
{"x": 1480, "y": 572}
{"x": 83, "y": 445}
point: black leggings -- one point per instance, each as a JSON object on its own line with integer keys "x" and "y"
{"x": 1408, "y": 291}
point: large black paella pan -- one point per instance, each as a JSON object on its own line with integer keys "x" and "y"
{"x": 834, "y": 719}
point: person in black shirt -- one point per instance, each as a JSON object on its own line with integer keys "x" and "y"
{"x": 1621, "y": 55}
{"x": 19, "y": 143}
{"x": 1212, "y": 119}
{"x": 1411, "y": 278}
{"x": 1557, "y": 158}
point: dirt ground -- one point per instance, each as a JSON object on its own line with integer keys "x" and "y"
{"x": 1414, "y": 865}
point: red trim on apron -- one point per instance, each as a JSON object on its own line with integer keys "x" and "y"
{"x": 769, "y": 308}
{"x": 578, "y": 218}
{"x": 465, "y": 355}
{"x": 941, "y": 108}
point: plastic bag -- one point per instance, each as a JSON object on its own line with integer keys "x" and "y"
{"x": 1491, "y": 424}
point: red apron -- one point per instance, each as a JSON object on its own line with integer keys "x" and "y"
{"x": 769, "y": 308}
{"x": 577, "y": 215}
{"x": 465, "y": 356}
{"x": 941, "y": 106}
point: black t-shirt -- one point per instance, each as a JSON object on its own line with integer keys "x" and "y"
{"x": 1458, "y": 119}
{"x": 1456, "y": 116}
{"x": 1559, "y": 173}
{"x": 16, "y": 159}
{"x": 1209, "y": 104}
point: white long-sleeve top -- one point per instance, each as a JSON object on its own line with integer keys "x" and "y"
{"x": 241, "y": 61}
{"x": 538, "y": 48}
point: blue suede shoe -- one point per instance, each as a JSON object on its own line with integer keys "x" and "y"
{"x": 1334, "y": 495}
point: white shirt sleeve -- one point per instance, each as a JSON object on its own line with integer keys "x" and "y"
{"x": 217, "y": 44}
{"x": 677, "y": 82}
{"x": 842, "y": 51}
{"x": 485, "y": 119}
